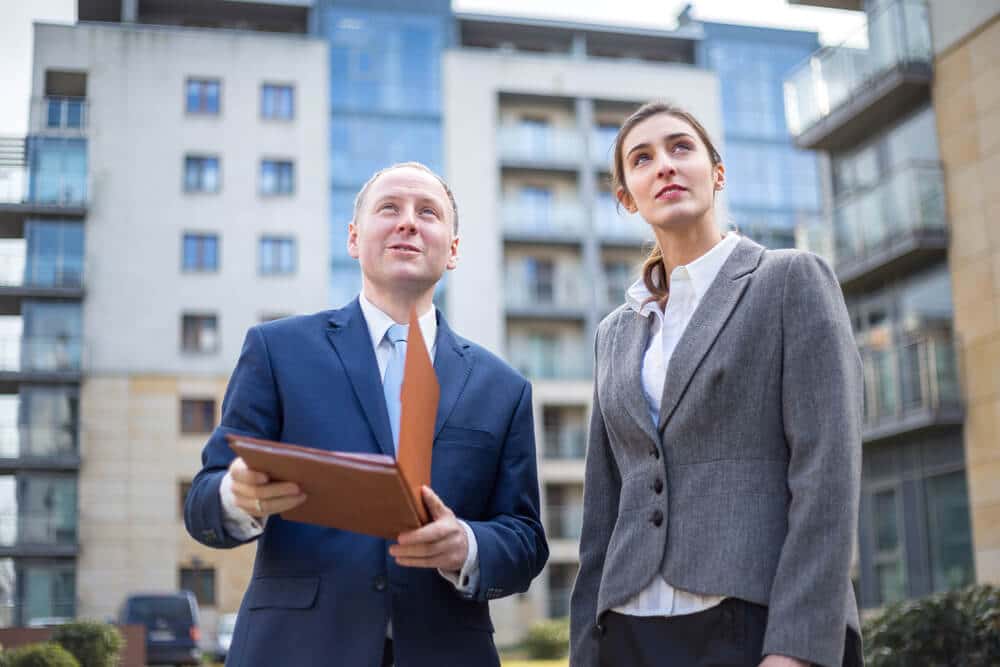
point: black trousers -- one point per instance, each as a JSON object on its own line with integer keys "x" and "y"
{"x": 387, "y": 653}
{"x": 731, "y": 634}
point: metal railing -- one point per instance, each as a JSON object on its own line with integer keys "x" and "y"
{"x": 560, "y": 218}
{"x": 918, "y": 374}
{"x": 550, "y": 359}
{"x": 19, "y": 186}
{"x": 910, "y": 199}
{"x": 17, "y": 270}
{"x": 36, "y": 441}
{"x": 19, "y": 528}
{"x": 40, "y": 354}
{"x": 565, "y": 443}
{"x": 548, "y": 145}
{"x": 564, "y": 522}
{"x": 61, "y": 115}
{"x": 616, "y": 224}
{"x": 898, "y": 34}
{"x": 565, "y": 291}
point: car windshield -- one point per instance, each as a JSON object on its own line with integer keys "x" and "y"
{"x": 174, "y": 611}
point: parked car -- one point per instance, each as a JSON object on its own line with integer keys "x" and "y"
{"x": 224, "y": 635}
{"x": 171, "y": 621}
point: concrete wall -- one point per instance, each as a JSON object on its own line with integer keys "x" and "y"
{"x": 967, "y": 105}
{"x": 952, "y": 22}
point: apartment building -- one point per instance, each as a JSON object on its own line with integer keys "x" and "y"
{"x": 531, "y": 108}
{"x": 177, "y": 176}
{"x": 872, "y": 112}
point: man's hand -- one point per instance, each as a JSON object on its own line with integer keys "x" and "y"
{"x": 441, "y": 544}
{"x": 782, "y": 661}
{"x": 257, "y": 495}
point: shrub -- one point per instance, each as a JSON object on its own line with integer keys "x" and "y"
{"x": 46, "y": 654}
{"x": 548, "y": 640}
{"x": 956, "y": 629}
{"x": 93, "y": 644}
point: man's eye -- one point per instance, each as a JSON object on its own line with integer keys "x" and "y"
{"x": 387, "y": 207}
{"x": 428, "y": 211}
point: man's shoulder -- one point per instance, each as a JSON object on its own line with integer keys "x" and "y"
{"x": 488, "y": 361}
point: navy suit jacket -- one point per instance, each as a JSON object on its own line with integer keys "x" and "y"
{"x": 320, "y": 596}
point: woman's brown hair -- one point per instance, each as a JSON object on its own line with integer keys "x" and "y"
{"x": 653, "y": 271}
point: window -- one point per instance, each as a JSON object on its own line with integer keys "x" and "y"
{"x": 201, "y": 174}
{"x": 277, "y": 177}
{"x": 197, "y": 416}
{"x": 199, "y": 333}
{"x": 184, "y": 488}
{"x": 277, "y": 256}
{"x": 277, "y": 102}
{"x": 201, "y": 252}
{"x": 200, "y": 581}
{"x": 202, "y": 96}
{"x": 540, "y": 276}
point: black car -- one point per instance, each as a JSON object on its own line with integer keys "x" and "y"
{"x": 171, "y": 621}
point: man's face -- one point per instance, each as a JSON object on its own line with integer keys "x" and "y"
{"x": 403, "y": 236}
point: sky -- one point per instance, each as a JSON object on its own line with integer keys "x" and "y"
{"x": 834, "y": 27}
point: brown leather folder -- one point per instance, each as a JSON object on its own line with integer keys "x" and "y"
{"x": 372, "y": 494}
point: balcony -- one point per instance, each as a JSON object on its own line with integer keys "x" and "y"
{"x": 549, "y": 358}
{"x": 841, "y": 95}
{"x": 559, "y": 296}
{"x": 911, "y": 384}
{"x": 617, "y": 227}
{"x": 26, "y": 358}
{"x": 545, "y": 148}
{"x": 24, "y": 533}
{"x": 564, "y": 522}
{"x": 893, "y": 228}
{"x": 566, "y": 444}
{"x": 38, "y": 277}
{"x": 602, "y": 143}
{"x": 559, "y": 222}
{"x": 60, "y": 116}
{"x": 25, "y": 446}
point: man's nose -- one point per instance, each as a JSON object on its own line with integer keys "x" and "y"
{"x": 407, "y": 221}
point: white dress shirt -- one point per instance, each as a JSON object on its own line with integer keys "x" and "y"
{"x": 688, "y": 285}
{"x": 242, "y": 526}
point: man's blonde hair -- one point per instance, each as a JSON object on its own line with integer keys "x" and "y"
{"x": 359, "y": 200}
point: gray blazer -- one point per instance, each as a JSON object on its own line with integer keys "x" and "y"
{"x": 757, "y": 453}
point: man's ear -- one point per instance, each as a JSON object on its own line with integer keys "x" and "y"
{"x": 352, "y": 240}
{"x": 625, "y": 199}
{"x": 452, "y": 255}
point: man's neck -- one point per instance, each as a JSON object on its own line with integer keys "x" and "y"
{"x": 398, "y": 306}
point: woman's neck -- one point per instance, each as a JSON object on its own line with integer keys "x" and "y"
{"x": 683, "y": 245}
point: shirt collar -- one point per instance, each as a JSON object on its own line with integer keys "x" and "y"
{"x": 379, "y": 322}
{"x": 701, "y": 273}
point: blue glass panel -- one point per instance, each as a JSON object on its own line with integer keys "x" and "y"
{"x": 211, "y": 93}
{"x": 58, "y": 170}
{"x": 360, "y": 146}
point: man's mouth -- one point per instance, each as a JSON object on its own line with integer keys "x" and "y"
{"x": 404, "y": 247}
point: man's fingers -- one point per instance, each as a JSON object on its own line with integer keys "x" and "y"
{"x": 270, "y": 505}
{"x": 239, "y": 471}
{"x": 435, "y": 505}
{"x": 265, "y": 491}
{"x": 432, "y": 532}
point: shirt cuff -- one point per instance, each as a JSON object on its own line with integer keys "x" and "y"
{"x": 466, "y": 580}
{"x": 238, "y": 523}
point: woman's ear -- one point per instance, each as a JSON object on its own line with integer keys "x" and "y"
{"x": 625, "y": 199}
{"x": 720, "y": 177}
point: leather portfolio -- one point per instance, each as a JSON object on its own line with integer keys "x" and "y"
{"x": 365, "y": 493}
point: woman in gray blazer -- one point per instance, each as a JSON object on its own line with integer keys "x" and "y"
{"x": 723, "y": 465}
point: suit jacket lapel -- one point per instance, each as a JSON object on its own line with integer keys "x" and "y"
{"x": 453, "y": 365}
{"x": 711, "y": 315}
{"x": 348, "y": 333}
{"x": 630, "y": 341}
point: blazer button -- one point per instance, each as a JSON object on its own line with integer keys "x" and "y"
{"x": 378, "y": 583}
{"x": 654, "y": 452}
{"x": 658, "y": 485}
{"x": 597, "y": 631}
{"x": 656, "y": 518}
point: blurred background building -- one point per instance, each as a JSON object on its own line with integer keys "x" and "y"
{"x": 190, "y": 169}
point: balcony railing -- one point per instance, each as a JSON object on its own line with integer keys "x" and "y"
{"x": 910, "y": 380}
{"x": 602, "y": 143}
{"x": 565, "y": 443}
{"x": 65, "y": 116}
{"x": 909, "y": 201}
{"x": 37, "y": 528}
{"x": 898, "y": 37}
{"x": 39, "y": 354}
{"x": 30, "y": 441}
{"x": 547, "y": 359}
{"x": 541, "y": 147}
{"x": 19, "y": 186}
{"x": 565, "y": 292}
{"x": 616, "y": 225}
{"x": 16, "y": 270}
{"x": 556, "y": 219}
{"x": 563, "y": 522}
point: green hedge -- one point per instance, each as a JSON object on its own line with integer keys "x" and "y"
{"x": 93, "y": 644}
{"x": 46, "y": 654}
{"x": 548, "y": 640}
{"x": 956, "y": 629}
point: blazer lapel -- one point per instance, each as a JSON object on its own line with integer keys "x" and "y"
{"x": 711, "y": 315}
{"x": 348, "y": 333}
{"x": 453, "y": 365}
{"x": 630, "y": 341}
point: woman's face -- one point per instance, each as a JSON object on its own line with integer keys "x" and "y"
{"x": 668, "y": 173}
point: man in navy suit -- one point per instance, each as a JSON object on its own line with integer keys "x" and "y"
{"x": 321, "y": 596}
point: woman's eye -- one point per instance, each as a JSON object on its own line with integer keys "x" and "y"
{"x": 641, "y": 157}
{"x": 683, "y": 146}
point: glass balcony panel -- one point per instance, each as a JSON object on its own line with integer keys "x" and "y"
{"x": 564, "y": 521}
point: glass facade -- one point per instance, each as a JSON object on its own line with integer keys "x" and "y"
{"x": 772, "y": 186}
{"x": 385, "y": 70}
{"x": 57, "y": 171}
